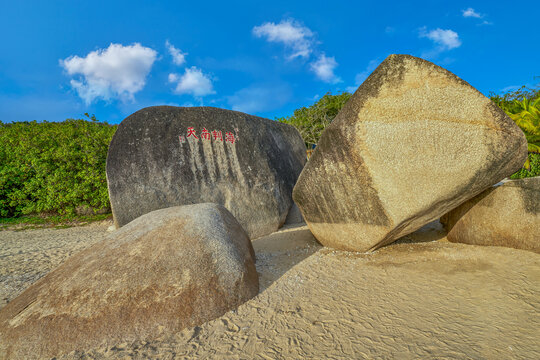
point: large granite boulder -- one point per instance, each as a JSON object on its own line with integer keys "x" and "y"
{"x": 165, "y": 156}
{"x": 413, "y": 142}
{"x": 507, "y": 214}
{"x": 167, "y": 270}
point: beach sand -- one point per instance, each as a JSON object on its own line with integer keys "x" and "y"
{"x": 422, "y": 297}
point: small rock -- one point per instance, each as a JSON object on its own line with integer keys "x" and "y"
{"x": 505, "y": 215}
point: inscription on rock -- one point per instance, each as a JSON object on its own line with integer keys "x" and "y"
{"x": 167, "y": 156}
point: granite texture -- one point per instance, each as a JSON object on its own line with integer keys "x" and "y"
{"x": 165, "y": 271}
{"x": 166, "y": 156}
{"x": 504, "y": 215}
{"x": 413, "y": 142}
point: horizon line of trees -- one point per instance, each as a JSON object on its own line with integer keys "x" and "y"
{"x": 59, "y": 167}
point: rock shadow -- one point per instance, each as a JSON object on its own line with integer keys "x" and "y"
{"x": 278, "y": 252}
{"x": 433, "y": 231}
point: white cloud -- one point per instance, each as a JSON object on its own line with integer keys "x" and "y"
{"x": 116, "y": 72}
{"x": 471, "y": 13}
{"x": 446, "y": 39}
{"x": 193, "y": 82}
{"x": 178, "y": 56}
{"x": 260, "y": 97}
{"x": 324, "y": 67}
{"x": 296, "y": 37}
{"x": 360, "y": 77}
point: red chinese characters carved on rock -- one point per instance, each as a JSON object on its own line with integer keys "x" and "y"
{"x": 215, "y": 135}
{"x": 205, "y": 135}
{"x": 191, "y": 132}
{"x": 229, "y": 137}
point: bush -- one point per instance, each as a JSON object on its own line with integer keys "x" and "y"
{"x": 312, "y": 120}
{"x": 53, "y": 167}
{"x": 534, "y": 160}
{"x": 523, "y": 106}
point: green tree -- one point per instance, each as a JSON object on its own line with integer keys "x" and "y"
{"x": 53, "y": 167}
{"x": 523, "y": 106}
{"x": 312, "y": 120}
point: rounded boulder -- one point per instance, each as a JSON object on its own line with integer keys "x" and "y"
{"x": 167, "y": 270}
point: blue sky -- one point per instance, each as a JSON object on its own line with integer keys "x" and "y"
{"x": 60, "y": 59}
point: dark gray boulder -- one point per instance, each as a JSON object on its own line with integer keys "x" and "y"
{"x": 165, "y": 156}
{"x": 165, "y": 271}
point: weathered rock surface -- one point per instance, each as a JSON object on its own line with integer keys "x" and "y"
{"x": 165, "y": 271}
{"x": 504, "y": 215}
{"x": 166, "y": 156}
{"x": 412, "y": 143}
{"x": 294, "y": 216}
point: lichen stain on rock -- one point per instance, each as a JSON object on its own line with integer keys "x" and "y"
{"x": 252, "y": 171}
{"x": 378, "y": 162}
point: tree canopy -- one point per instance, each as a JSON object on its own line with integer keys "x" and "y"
{"x": 312, "y": 120}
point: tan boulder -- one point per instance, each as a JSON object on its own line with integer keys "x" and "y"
{"x": 504, "y": 215}
{"x": 165, "y": 271}
{"x": 412, "y": 143}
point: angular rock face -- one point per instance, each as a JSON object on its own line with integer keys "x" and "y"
{"x": 412, "y": 143}
{"x": 505, "y": 215}
{"x": 167, "y": 270}
{"x": 166, "y": 156}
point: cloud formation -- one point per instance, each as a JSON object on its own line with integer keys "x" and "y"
{"x": 296, "y": 37}
{"x": 470, "y": 12}
{"x": 300, "y": 41}
{"x": 179, "y": 58}
{"x": 446, "y": 39}
{"x": 324, "y": 67}
{"x": 116, "y": 72}
{"x": 193, "y": 82}
{"x": 443, "y": 40}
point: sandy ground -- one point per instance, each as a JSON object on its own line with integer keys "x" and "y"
{"x": 26, "y": 256}
{"x": 422, "y": 297}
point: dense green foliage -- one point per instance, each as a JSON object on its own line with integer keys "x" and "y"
{"x": 312, "y": 120}
{"x": 57, "y": 167}
{"x": 523, "y": 106}
{"x": 53, "y": 167}
{"x": 534, "y": 161}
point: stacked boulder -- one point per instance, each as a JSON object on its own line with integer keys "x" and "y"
{"x": 165, "y": 271}
{"x": 165, "y": 156}
{"x": 168, "y": 267}
{"x": 507, "y": 214}
{"x": 412, "y": 143}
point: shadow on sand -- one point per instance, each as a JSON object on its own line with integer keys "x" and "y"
{"x": 280, "y": 251}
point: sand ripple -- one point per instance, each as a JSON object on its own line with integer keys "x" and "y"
{"x": 421, "y": 298}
